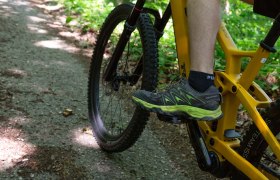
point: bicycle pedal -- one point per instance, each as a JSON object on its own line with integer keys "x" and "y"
{"x": 231, "y": 133}
{"x": 169, "y": 119}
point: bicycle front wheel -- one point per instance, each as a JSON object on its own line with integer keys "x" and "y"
{"x": 116, "y": 121}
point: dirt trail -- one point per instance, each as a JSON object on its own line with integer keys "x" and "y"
{"x": 42, "y": 72}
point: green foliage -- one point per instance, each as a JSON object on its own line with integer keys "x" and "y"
{"x": 246, "y": 28}
{"x": 89, "y": 14}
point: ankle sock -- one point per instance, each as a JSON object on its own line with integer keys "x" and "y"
{"x": 200, "y": 81}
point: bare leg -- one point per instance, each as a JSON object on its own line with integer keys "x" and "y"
{"x": 204, "y": 22}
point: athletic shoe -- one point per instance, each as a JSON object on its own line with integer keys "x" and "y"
{"x": 181, "y": 100}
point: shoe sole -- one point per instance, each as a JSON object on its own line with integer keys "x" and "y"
{"x": 182, "y": 111}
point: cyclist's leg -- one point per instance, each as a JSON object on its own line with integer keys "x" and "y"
{"x": 182, "y": 98}
{"x": 204, "y": 21}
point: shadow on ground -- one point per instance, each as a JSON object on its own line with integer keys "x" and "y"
{"x": 43, "y": 72}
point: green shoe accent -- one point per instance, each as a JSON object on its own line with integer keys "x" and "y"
{"x": 194, "y": 112}
{"x": 182, "y": 100}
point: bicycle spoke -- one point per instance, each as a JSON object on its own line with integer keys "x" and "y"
{"x": 115, "y": 125}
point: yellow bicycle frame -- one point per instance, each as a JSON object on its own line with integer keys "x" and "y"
{"x": 236, "y": 89}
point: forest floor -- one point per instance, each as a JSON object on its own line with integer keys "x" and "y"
{"x": 44, "y": 70}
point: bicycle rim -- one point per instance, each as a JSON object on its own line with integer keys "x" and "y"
{"x": 117, "y": 122}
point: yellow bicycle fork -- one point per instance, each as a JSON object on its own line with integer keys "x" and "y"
{"x": 236, "y": 87}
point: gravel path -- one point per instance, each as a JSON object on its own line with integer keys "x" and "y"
{"x": 42, "y": 73}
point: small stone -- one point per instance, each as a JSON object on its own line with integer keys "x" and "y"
{"x": 67, "y": 112}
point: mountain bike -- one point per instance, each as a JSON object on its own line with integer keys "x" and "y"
{"x": 125, "y": 59}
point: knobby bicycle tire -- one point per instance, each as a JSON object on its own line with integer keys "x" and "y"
{"x": 129, "y": 134}
{"x": 253, "y": 147}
